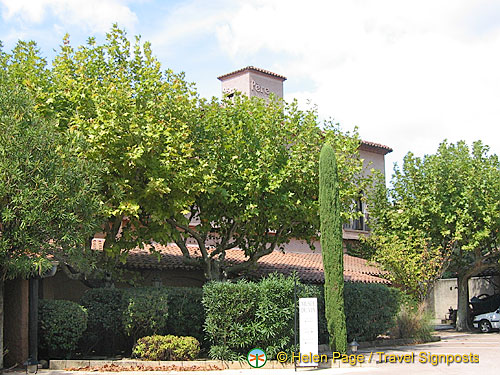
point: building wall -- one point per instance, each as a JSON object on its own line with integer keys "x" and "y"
{"x": 239, "y": 83}
{"x": 261, "y": 85}
{"x": 16, "y": 305}
{"x": 372, "y": 160}
{"x": 62, "y": 287}
{"x": 445, "y": 293}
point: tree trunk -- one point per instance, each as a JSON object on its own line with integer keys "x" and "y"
{"x": 463, "y": 303}
{"x": 1, "y": 324}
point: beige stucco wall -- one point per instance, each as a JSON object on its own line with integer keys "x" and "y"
{"x": 239, "y": 83}
{"x": 262, "y": 85}
{"x": 371, "y": 161}
{"x": 445, "y": 294}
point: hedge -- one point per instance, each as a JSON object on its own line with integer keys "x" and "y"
{"x": 145, "y": 311}
{"x": 60, "y": 326}
{"x": 105, "y": 332}
{"x": 370, "y": 309}
{"x": 244, "y": 315}
{"x": 110, "y": 309}
{"x": 186, "y": 315}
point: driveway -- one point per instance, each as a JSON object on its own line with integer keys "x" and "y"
{"x": 459, "y": 345}
{"x": 453, "y": 345}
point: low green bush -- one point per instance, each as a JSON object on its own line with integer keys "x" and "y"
{"x": 166, "y": 348}
{"x": 145, "y": 311}
{"x": 60, "y": 326}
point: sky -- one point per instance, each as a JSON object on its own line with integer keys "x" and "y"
{"x": 407, "y": 74}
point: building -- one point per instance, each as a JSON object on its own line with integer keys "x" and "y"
{"x": 170, "y": 269}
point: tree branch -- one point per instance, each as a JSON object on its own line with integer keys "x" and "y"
{"x": 257, "y": 255}
{"x": 196, "y": 236}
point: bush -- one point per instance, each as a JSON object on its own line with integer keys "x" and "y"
{"x": 370, "y": 310}
{"x": 413, "y": 321}
{"x": 60, "y": 326}
{"x": 245, "y": 315}
{"x": 105, "y": 311}
{"x": 166, "y": 348}
{"x": 145, "y": 311}
{"x": 185, "y": 315}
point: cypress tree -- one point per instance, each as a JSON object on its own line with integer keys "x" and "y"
{"x": 331, "y": 248}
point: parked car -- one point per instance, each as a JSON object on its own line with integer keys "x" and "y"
{"x": 484, "y": 303}
{"x": 487, "y": 322}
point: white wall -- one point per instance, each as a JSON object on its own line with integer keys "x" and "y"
{"x": 445, "y": 293}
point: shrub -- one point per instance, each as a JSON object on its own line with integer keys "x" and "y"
{"x": 185, "y": 315}
{"x": 370, "y": 310}
{"x": 145, "y": 311}
{"x": 166, "y": 348}
{"x": 105, "y": 311}
{"x": 244, "y": 315}
{"x": 413, "y": 321}
{"x": 60, "y": 326}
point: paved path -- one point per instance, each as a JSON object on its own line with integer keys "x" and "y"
{"x": 485, "y": 346}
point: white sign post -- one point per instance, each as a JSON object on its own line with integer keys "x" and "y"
{"x": 308, "y": 328}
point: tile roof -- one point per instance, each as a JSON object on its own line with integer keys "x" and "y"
{"x": 371, "y": 146}
{"x": 253, "y": 68}
{"x": 309, "y": 266}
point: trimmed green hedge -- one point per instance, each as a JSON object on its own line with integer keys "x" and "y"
{"x": 370, "y": 309}
{"x": 104, "y": 332}
{"x": 60, "y": 326}
{"x": 145, "y": 311}
{"x": 245, "y": 315}
{"x": 186, "y": 314}
{"x": 166, "y": 348}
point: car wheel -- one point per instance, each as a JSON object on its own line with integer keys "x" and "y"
{"x": 485, "y": 326}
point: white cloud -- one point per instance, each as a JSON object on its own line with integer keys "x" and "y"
{"x": 409, "y": 74}
{"x": 93, "y": 15}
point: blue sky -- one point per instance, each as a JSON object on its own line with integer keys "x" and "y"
{"x": 408, "y": 74}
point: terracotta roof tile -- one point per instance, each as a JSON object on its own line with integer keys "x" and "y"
{"x": 370, "y": 146}
{"x": 255, "y": 70}
{"x": 309, "y": 266}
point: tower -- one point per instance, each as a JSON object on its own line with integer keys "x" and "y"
{"x": 252, "y": 81}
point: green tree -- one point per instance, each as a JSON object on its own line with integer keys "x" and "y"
{"x": 447, "y": 206}
{"x": 228, "y": 174}
{"x": 332, "y": 248}
{"x": 48, "y": 203}
{"x": 136, "y": 123}
{"x": 411, "y": 261}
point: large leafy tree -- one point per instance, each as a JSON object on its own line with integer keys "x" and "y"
{"x": 48, "y": 198}
{"x": 443, "y": 210}
{"x": 238, "y": 173}
{"x": 261, "y": 181}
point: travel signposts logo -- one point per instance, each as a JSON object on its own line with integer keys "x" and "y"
{"x": 256, "y": 358}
